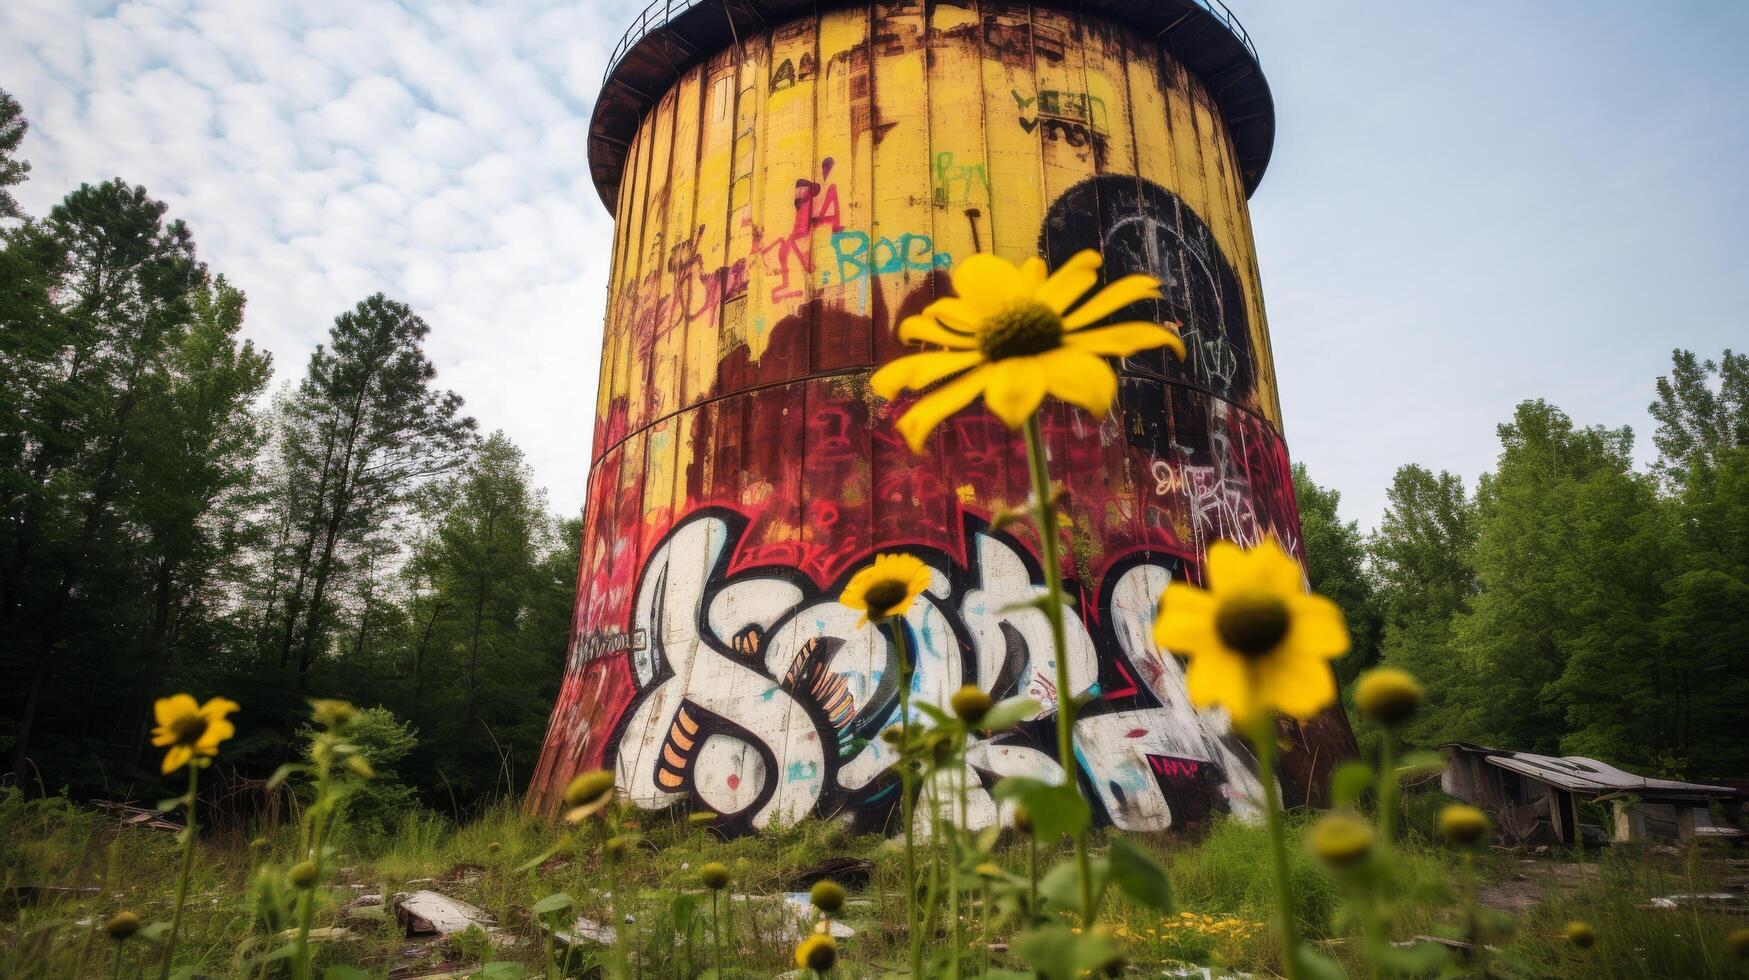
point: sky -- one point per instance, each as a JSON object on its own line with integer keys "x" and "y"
{"x": 1469, "y": 204}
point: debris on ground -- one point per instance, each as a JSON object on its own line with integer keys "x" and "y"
{"x": 130, "y": 815}
{"x": 853, "y": 873}
{"x": 426, "y": 913}
{"x": 1709, "y": 899}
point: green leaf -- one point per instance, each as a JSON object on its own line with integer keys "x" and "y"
{"x": 1416, "y": 960}
{"x": 681, "y": 910}
{"x": 1057, "y": 810}
{"x": 344, "y": 973}
{"x": 499, "y": 970}
{"x": 154, "y": 932}
{"x": 541, "y": 858}
{"x": 1349, "y": 781}
{"x": 986, "y": 839}
{"x": 174, "y": 802}
{"x": 1009, "y": 713}
{"x": 1060, "y": 954}
{"x": 280, "y": 774}
{"x": 1139, "y": 875}
{"x": 1418, "y": 764}
{"x": 1314, "y": 965}
{"x": 553, "y": 904}
{"x": 937, "y": 715}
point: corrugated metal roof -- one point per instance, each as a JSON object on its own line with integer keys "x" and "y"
{"x": 1578, "y": 774}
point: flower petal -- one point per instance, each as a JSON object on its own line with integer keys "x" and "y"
{"x": 1225, "y": 568}
{"x": 956, "y": 314}
{"x": 167, "y": 710}
{"x": 176, "y": 758}
{"x": 989, "y": 283}
{"x": 1015, "y": 388}
{"x": 919, "y": 371}
{"x": 930, "y": 410}
{"x": 927, "y": 330}
{"x": 1218, "y": 679}
{"x": 1129, "y": 289}
{"x": 216, "y": 708}
{"x": 163, "y": 735}
{"x": 1318, "y": 628}
{"x": 1124, "y": 339}
{"x": 1080, "y": 378}
{"x": 1186, "y": 622}
{"x": 216, "y": 731}
{"x": 1071, "y": 281}
{"x": 1295, "y": 684}
{"x": 1035, "y": 272}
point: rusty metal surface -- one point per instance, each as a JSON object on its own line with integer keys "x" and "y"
{"x": 785, "y": 203}
{"x": 669, "y": 37}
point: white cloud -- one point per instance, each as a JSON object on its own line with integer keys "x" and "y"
{"x": 324, "y": 151}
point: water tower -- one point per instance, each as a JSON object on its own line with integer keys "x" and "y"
{"x": 790, "y": 178}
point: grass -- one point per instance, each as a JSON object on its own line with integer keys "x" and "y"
{"x": 1221, "y": 886}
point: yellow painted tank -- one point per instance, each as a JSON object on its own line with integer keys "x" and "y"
{"x": 788, "y": 181}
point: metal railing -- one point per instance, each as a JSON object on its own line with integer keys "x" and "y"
{"x": 657, "y": 15}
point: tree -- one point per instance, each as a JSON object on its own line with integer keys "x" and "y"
{"x": 1336, "y": 567}
{"x": 1572, "y": 553}
{"x": 361, "y": 435}
{"x": 485, "y": 679}
{"x": 1420, "y": 556}
{"x": 109, "y": 294}
{"x": 13, "y": 126}
{"x": 1702, "y": 408}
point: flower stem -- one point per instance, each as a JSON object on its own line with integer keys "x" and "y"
{"x": 1046, "y": 514}
{"x": 908, "y": 800}
{"x": 717, "y": 930}
{"x": 187, "y": 870}
{"x": 1263, "y": 740}
{"x": 955, "y": 823}
{"x": 1388, "y": 789}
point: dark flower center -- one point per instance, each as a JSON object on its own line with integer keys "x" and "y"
{"x": 1252, "y": 623}
{"x": 884, "y": 595}
{"x": 189, "y": 729}
{"x": 1023, "y": 330}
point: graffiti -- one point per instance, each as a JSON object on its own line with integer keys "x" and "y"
{"x": 743, "y": 469}
{"x": 816, "y": 205}
{"x": 760, "y": 697}
{"x": 856, "y": 255}
{"x": 1076, "y": 118}
{"x": 1146, "y": 228}
{"x": 957, "y": 183}
{"x": 788, "y": 72}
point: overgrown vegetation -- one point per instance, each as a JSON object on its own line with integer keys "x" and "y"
{"x": 1222, "y": 896}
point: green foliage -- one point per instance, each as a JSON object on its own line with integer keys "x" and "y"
{"x": 376, "y": 807}
{"x": 12, "y": 170}
{"x": 1336, "y": 567}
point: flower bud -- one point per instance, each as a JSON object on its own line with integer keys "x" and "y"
{"x": 818, "y": 952}
{"x": 1388, "y": 696}
{"x": 494, "y": 847}
{"x": 1022, "y": 818}
{"x": 1463, "y": 825}
{"x": 1580, "y": 934}
{"x": 332, "y": 714}
{"x": 588, "y": 787}
{"x": 1738, "y": 943}
{"x": 827, "y": 896}
{"x": 122, "y": 925}
{"x": 715, "y": 876}
{"x": 359, "y": 767}
{"x": 302, "y": 875}
{"x": 1340, "y": 839}
{"x": 971, "y": 703}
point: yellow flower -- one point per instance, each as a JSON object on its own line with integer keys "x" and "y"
{"x": 1340, "y": 839}
{"x": 817, "y": 952}
{"x": 587, "y": 794}
{"x": 1011, "y": 338}
{"x": 886, "y": 588}
{"x": 1462, "y": 824}
{"x": 190, "y": 729}
{"x": 1580, "y": 934}
{"x": 1257, "y": 641}
{"x": 1388, "y": 696}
